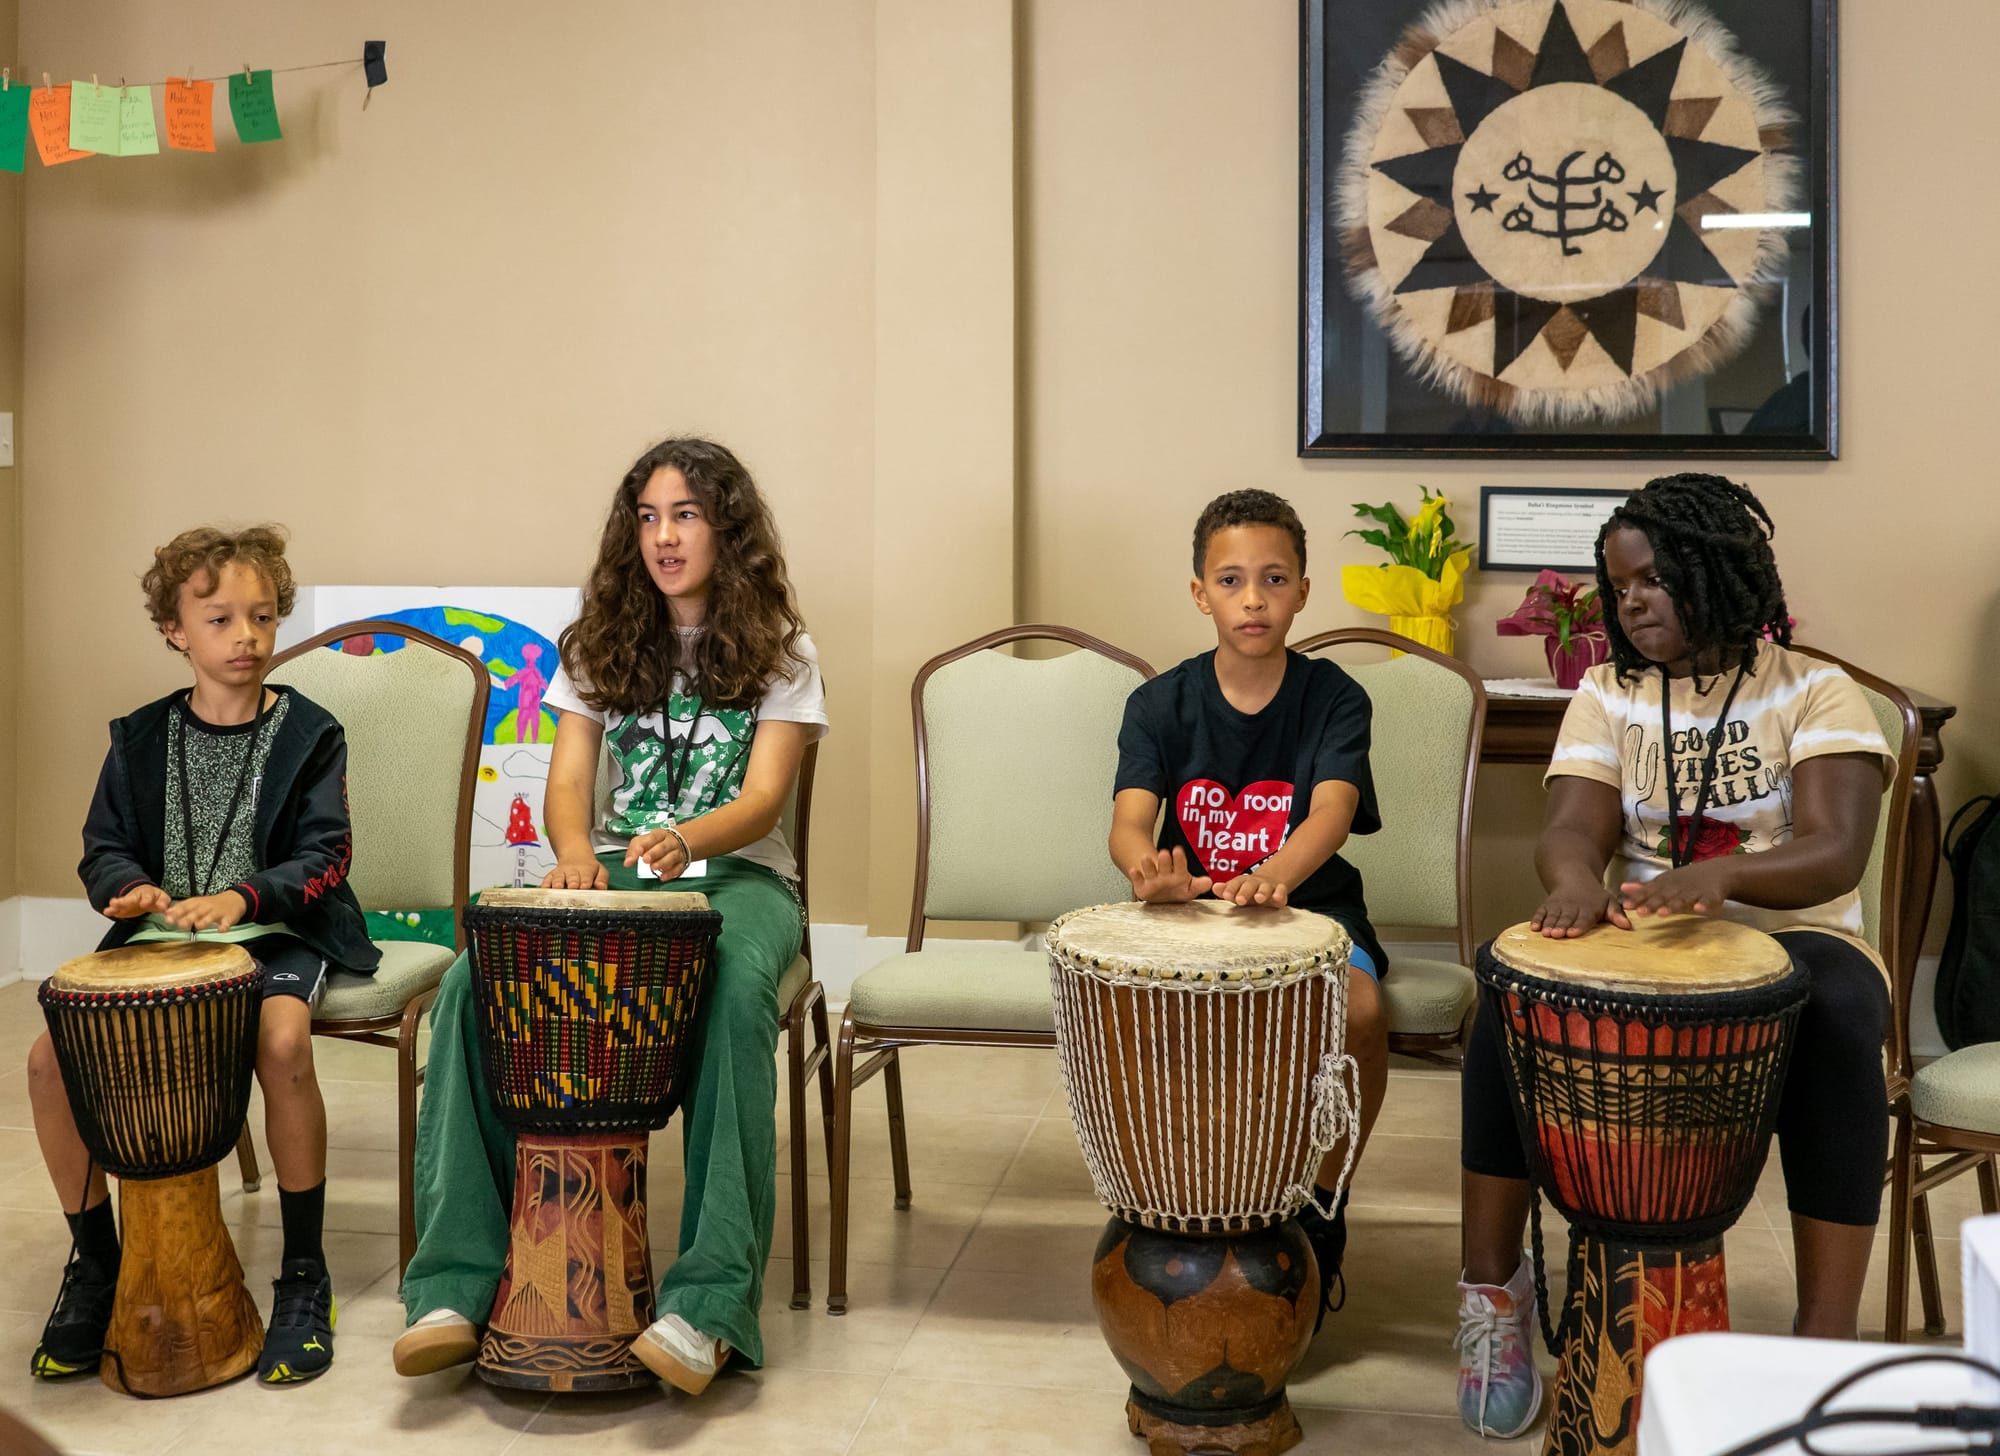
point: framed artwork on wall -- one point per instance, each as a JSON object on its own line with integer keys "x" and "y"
{"x": 1592, "y": 228}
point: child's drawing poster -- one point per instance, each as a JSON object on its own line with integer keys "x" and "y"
{"x": 513, "y": 631}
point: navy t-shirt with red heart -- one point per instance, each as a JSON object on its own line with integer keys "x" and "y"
{"x": 1236, "y": 784}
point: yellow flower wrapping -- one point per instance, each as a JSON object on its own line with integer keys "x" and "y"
{"x": 1417, "y": 607}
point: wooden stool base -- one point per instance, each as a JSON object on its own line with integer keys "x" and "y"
{"x": 1265, "y": 1436}
{"x": 182, "y": 1319}
{"x": 578, "y": 1285}
{"x": 1627, "y": 1299}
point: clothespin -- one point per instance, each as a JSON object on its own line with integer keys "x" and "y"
{"x": 6, "y": 78}
{"x": 249, "y": 76}
{"x": 373, "y": 67}
{"x": 94, "y": 87}
{"x": 47, "y": 84}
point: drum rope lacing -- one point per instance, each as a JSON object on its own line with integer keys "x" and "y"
{"x": 1191, "y": 1176}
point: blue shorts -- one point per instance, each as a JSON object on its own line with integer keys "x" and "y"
{"x": 1360, "y": 960}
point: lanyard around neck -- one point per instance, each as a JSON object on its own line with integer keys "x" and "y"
{"x": 1675, "y": 851}
{"x": 205, "y": 885}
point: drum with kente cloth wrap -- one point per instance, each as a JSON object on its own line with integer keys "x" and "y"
{"x": 585, "y": 1006}
{"x": 1647, "y": 1066}
{"x": 1201, "y": 1047}
{"x": 157, "y": 1044}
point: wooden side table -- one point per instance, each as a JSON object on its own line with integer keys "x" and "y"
{"x": 1523, "y": 730}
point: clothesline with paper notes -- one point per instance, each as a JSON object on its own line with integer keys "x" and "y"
{"x": 96, "y": 118}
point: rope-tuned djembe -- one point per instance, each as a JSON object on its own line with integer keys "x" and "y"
{"x": 1647, "y": 1066}
{"x": 1201, "y": 1047}
{"x": 157, "y": 1045}
{"x": 586, "y": 1003}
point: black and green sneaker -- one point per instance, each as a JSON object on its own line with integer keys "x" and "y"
{"x": 298, "y": 1342}
{"x": 73, "y": 1340}
{"x": 1328, "y": 1237}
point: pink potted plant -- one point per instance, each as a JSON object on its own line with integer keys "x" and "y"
{"x": 1569, "y": 619}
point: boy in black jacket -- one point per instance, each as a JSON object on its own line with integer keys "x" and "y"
{"x": 221, "y": 811}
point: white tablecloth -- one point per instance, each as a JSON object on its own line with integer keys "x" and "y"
{"x": 1704, "y": 1394}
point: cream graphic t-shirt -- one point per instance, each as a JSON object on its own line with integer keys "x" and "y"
{"x": 1789, "y": 708}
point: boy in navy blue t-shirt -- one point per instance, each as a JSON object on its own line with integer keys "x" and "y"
{"x": 1261, "y": 756}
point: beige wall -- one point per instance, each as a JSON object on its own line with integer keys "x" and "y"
{"x": 1159, "y": 328}
{"x": 11, "y": 234}
{"x": 430, "y": 337}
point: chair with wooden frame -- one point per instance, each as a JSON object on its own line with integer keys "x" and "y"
{"x": 801, "y": 996}
{"x": 1016, "y": 759}
{"x": 1430, "y": 715}
{"x": 1917, "y": 1096}
{"x": 414, "y": 721}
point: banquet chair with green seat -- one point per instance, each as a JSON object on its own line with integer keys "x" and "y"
{"x": 1881, "y": 892}
{"x": 1016, "y": 759}
{"x": 414, "y": 719}
{"x": 1429, "y": 718}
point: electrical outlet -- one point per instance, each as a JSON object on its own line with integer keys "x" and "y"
{"x": 6, "y": 439}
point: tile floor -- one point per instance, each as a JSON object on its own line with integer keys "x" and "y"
{"x": 971, "y": 1328}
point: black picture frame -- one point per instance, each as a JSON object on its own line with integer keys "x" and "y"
{"x": 1584, "y": 564}
{"x": 1359, "y": 397}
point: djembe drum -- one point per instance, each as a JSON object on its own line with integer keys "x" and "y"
{"x": 1647, "y": 1066}
{"x": 586, "y": 1003}
{"x": 1201, "y": 1047}
{"x": 157, "y": 1044}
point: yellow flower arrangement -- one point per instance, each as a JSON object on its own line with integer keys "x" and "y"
{"x": 1424, "y": 577}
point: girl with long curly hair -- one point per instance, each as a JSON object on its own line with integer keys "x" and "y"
{"x": 689, "y": 674}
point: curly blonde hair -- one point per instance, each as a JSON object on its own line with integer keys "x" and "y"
{"x": 621, "y": 647}
{"x": 202, "y": 553}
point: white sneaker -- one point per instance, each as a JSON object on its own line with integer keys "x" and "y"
{"x": 1499, "y": 1388}
{"x": 680, "y": 1354}
{"x": 441, "y": 1339}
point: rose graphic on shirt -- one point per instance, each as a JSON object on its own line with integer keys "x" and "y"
{"x": 1232, "y": 833}
{"x": 1715, "y": 840}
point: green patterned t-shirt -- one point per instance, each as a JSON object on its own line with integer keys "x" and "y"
{"x": 667, "y": 769}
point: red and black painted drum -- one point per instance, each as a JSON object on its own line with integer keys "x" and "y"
{"x": 1201, "y": 1046}
{"x": 1646, "y": 1066}
{"x": 585, "y": 1003}
{"x": 157, "y": 1044}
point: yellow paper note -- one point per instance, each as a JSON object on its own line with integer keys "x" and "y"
{"x": 190, "y": 108}
{"x": 48, "y": 119}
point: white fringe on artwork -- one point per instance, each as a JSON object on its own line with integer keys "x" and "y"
{"x": 1784, "y": 174}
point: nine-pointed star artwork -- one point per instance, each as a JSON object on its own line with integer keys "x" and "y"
{"x": 1611, "y": 317}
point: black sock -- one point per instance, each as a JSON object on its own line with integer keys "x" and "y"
{"x": 96, "y": 1235}
{"x": 304, "y": 1214}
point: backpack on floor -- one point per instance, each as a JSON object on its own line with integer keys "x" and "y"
{"x": 1968, "y": 981}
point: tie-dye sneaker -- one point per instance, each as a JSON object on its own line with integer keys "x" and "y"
{"x": 1499, "y": 1388}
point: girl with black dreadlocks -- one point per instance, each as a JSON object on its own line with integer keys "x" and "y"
{"x": 1707, "y": 769}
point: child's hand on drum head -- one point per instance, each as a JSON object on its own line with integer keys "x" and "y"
{"x": 1252, "y": 889}
{"x": 1161, "y": 878}
{"x": 208, "y": 912}
{"x": 1699, "y": 888}
{"x": 585, "y": 874}
{"x": 1572, "y": 910}
{"x": 146, "y": 900}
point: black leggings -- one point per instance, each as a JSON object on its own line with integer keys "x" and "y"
{"x": 1833, "y": 1116}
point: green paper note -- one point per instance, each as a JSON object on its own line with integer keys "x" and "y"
{"x": 254, "y": 107}
{"x": 14, "y": 129}
{"x": 94, "y": 113}
{"x": 136, "y": 135}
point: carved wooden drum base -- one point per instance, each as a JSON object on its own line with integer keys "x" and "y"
{"x": 578, "y": 1285}
{"x": 1209, "y": 1327}
{"x": 1627, "y": 1300}
{"x": 182, "y": 1320}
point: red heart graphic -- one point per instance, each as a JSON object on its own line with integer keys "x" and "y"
{"x": 1232, "y": 832}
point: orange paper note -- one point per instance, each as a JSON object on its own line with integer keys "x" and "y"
{"x": 48, "y": 119}
{"x": 190, "y": 107}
